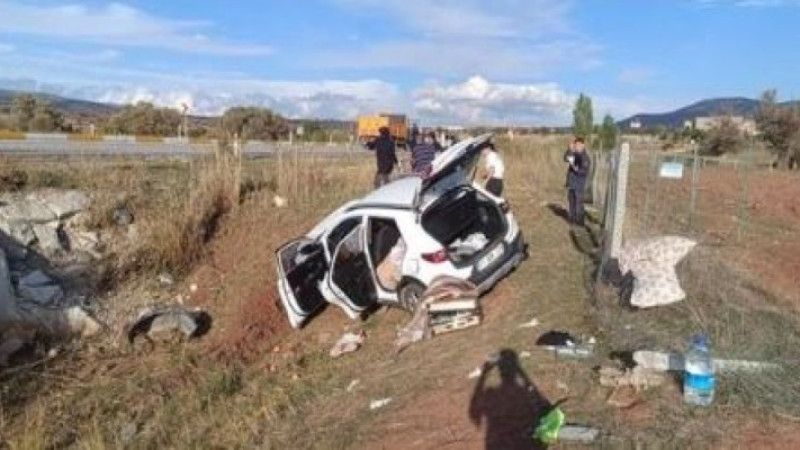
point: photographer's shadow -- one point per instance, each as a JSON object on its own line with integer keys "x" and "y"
{"x": 511, "y": 409}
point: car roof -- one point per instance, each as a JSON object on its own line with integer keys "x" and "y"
{"x": 397, "y": 194}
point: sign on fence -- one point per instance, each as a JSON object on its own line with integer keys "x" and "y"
{"x": 672, "y": 170}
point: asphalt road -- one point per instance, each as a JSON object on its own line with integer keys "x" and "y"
{"x": 61, "y": 148}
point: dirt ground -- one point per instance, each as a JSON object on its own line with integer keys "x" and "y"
{"x": 253, "y": 382}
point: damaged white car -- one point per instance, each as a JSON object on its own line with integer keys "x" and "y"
{"x": 388, "y": 246}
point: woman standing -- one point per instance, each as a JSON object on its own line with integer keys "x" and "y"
{"x": 495, "y": 170}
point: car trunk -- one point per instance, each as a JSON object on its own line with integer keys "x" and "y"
{"x": 466, "y": 223}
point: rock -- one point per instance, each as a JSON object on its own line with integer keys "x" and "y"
{"x": 163, "y": 324}
{"x": 122, "y": 216}
{"x": 63, "y": 204}
{"x": 20, "y": 232}
{"x": 35, "y": 279}
{"x": 84, "y": 241}
{"x": 47, "y": 237}
{"x": 8, "y": 304}
{"x": 43, "y": 295}
{"x": 165, "y": 279}
{"x": 128, "y": 432}
{"x": 27, "y": 210}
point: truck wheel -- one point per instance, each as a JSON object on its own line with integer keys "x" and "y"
{"x": 410, "y": 294}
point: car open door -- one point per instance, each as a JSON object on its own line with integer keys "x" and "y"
{"x": 301, "y": 268}
{"x": 454, "y": 167}
{"x": 350, "y": 278}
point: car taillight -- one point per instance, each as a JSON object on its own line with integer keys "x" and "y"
{"x": 436, "y": 257}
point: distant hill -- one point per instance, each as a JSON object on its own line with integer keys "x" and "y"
{"x": 738, "y": 106}
{"x": 66, "y": 105}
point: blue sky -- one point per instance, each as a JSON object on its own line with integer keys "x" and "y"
{"x": 442, "y": 61}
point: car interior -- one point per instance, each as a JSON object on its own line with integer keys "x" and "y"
{"x": 384, "y": 237}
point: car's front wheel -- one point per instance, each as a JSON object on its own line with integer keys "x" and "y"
{"x": 410, "y": 294}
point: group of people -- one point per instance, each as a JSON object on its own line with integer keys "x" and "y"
{"x": 425, "y": 151}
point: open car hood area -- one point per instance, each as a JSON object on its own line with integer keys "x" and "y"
{"x": 453, "y": 167}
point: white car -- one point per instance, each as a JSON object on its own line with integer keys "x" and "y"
{"x": 388, "y": 246}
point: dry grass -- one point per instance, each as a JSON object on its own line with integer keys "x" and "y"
{"x": 233, "y": 391}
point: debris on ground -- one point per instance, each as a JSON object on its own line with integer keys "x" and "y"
{"x": 449, "y": 304}
{"x": 578, "y": 433}
{"x": 639, "y": 377}
{"x": 652, "y": 263}
{"x": 533, "y": 323}
{"x": 350, "y": 387}
{"x": 490, "y": 361}
{"x": 673, "y": 362}
{"x": 549, "y": 426}
{"x": 165, "y": 279}
{"x": 380, "y": 403}
{"x": 279, "y": 202}
{"x": 348, "y": 343}
{"x": 168, "y": 323}
{"x": 565, "y": 345}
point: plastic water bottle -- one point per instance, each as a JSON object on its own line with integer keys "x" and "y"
{"x": 698, "y": 377}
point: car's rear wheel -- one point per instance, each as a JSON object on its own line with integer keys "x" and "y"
{"x": 410, "y": 294}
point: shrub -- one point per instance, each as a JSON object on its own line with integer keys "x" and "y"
{"x": 723, "y": 138}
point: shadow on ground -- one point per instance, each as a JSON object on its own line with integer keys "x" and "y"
{"x": 510, "y": 410}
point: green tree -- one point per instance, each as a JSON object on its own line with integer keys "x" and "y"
{"x": 725, "y": 137}
{"x": 46, "y": 118}
{"x": 145, "y": 119}
{"x": 780, "y": 128}
{"x": 253, "y": 123}
{"x": 583, "y": 116}
{"x": 23, "y": 108}
{"x": 608, "y": 133}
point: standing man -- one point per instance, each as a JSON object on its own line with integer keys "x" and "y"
{"x": 385, "y": 156}
{"x": 577, "y": 173}
{"x": 422, "y": 155}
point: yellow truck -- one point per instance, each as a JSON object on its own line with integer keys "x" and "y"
{"x": 368, "y": 126}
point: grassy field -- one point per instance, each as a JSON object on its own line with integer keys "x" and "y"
{"x": 253, "y": 382}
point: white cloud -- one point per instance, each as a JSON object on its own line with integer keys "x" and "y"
{"x": 478, "y": 101}
{"x": 116, "y": 24}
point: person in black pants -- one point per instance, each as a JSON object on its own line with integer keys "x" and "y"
{"x": 385, "y": 156}
{"x": 577, "y": 174}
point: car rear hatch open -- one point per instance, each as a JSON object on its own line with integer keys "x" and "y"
{"x": 454, "y": 167}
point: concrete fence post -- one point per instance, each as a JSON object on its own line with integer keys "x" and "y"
{"x": 620, "y": 196}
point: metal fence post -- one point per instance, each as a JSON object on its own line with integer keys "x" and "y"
{"x": 695, "y": 179}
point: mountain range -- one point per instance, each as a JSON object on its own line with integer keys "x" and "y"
{"x": 737, "y": 106}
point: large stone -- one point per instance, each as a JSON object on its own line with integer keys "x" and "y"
{"x": 47, "y": 237}
{"x": 35, "y": 279}
{"x": 29, "y": 209}
{"x": 8, "y": 304}
{"x": 48, "y": 295}
{"x": 63, "y": 203}
{"x": 20, "y": 232}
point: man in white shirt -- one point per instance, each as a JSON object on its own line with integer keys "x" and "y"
{"x": 495, "y": 170}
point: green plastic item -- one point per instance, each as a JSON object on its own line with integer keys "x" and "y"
{"x": 549, "y": 426}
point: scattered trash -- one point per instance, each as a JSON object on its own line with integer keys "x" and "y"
{"x": 192, "y": 288}
{"x": 279, "y": 202}
{"x": 166, "y": 323}
{"x": 380, "y": 403}
{"x": 165, "y": 279}
{"x": 350, "y": 387}
{"x": 530, "y": 324}
{"x": 578, "y": 433}
{"x": 698, "y": 377}
{"x": 673, "y": 362}
{"x": 524, "y": 354}
{"x": 556, "y": 338}
{"x": 490, "y": 360}
{"x": 549, "y": 426}
{"x": 348, "y": 343}
{"x": 652, "y": 263}
{"x": 476, "y": 372}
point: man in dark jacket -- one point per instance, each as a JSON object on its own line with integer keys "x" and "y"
{"x": 385, "y": 156}
{"x": 577, "y": 174}
{"x": 422, "y": 154}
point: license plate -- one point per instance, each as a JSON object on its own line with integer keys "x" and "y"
{"x": 493, "y": 256}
